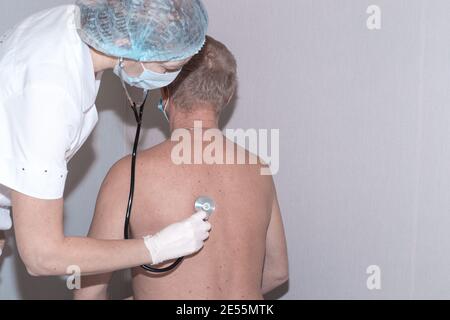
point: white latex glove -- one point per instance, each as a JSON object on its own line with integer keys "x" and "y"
{"x": 5, "y": 219}
{"x": 179, "y": 239}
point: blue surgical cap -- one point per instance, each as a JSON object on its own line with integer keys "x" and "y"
{"x": 144, "y": 30}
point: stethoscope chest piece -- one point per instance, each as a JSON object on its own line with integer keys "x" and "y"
{"x": 206, "y": 204}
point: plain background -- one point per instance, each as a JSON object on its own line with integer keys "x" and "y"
{"x": 364, "y": 127}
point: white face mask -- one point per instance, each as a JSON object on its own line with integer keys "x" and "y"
{"x": 148, "y": 80}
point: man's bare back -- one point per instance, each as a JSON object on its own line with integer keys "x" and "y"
{"x": 230, "y": 265}
{"x": 246, "y": 255}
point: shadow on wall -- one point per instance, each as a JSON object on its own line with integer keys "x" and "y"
{"x": 110, "y": 97}
{"x": 277, "y": 293}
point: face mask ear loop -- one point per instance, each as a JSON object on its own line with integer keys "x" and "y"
{"x": 168, "y": 100}
{"x": 163, "y": 106}
{"x": 167, "y": 105}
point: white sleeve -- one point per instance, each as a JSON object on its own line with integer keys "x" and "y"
{"x": 36, "y": 130}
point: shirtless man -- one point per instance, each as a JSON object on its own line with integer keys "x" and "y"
{"x": 245, "y": 256}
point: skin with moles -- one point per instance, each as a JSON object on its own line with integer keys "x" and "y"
{"x": 246, "y": 253}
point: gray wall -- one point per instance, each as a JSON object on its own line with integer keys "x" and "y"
{"x": 364, "y": 121}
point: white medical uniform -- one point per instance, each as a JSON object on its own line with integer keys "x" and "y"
{"x": 47, "y": 102}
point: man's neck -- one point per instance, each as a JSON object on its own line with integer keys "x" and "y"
{"x": 197, "y": 124}
{"x": 202, "y": 120}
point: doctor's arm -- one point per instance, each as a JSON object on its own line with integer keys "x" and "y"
{"x": 46, "y": 251}
{"x": 106, "y": 224}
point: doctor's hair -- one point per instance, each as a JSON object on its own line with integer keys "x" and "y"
{"x": 209, "y": 78}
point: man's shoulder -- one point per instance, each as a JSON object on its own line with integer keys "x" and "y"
{"x": 119, "y": 171}
{"x": 155, "y": 157}
{"x": 151, "y": 156}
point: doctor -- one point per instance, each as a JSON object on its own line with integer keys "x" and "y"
{"x": 50, "y": 70}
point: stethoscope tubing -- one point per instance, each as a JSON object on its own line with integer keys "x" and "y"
{"x": 139, "y": 114}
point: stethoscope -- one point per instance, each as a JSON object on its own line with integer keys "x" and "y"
{"x": 202, "y": 203}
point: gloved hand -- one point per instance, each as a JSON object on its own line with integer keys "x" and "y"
{"x": 5, "y": 219}
{"x": 179, "y": 239}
